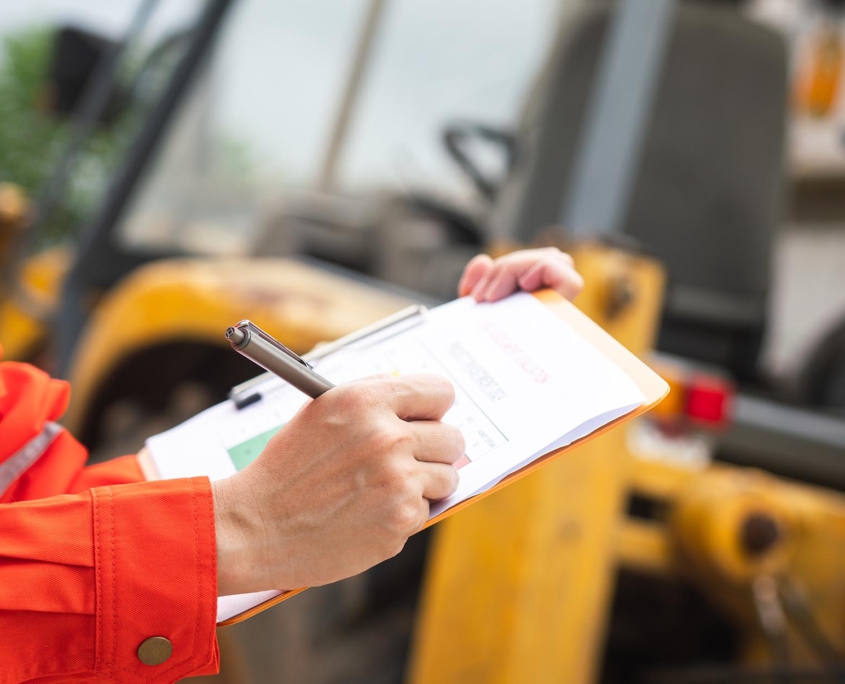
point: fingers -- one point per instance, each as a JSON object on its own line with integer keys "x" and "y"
{"x": 475, "y": 270}
{"x": 502, "y": 281}
{"x": 439, "y": 480}
{"x": 436, "y": 442}
{"x": 419, "y": 397}
{"x": 561, "y": 277}
{"x": 529, "y": 270}
{"x": 503, "y": 278}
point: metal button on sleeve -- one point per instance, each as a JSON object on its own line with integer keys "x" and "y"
{"x": 155, "y": 650}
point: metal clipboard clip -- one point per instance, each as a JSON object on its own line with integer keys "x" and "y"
{"x": 245, "y": 393}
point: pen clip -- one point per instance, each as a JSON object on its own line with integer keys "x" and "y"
{"x": 244, "y": 393}
{"x": 255, "y": 330}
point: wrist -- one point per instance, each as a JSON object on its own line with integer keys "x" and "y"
{"x": 235, "y": 567}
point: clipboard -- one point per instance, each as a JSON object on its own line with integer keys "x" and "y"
{"x": 652, "y": 386}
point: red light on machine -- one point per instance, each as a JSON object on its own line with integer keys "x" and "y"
{"x": 696, "y": 398}
{"x": 708, "y": 400}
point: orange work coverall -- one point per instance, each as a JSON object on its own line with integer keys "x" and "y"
{"x": 94, "y": 561}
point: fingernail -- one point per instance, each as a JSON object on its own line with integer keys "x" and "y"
{"x": 490, "y": 292}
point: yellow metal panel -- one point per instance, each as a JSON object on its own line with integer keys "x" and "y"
{"x": 645, "y": 546}
{"x": 22, "y": 312}
{"x": 660, "y": 480}
{"x": 622, "y": 292}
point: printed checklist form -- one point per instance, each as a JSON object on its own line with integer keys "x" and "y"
{"x": 526, "y": 382}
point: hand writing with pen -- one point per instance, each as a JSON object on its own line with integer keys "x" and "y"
{"x": 344, "y": 484}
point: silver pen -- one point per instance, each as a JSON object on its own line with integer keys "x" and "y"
{"x": 252, "y": 342}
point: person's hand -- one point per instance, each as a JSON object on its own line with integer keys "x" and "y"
{"x": 530, "y": 269}
{"x": 340, "y": 488}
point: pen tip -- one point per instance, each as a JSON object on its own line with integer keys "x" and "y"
{"x": 234, "y": 335}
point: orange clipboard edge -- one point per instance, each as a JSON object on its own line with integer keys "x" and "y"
{"x": 653, "y": 387}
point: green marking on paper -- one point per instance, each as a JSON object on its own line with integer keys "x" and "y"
{"x": 246, "y": 452}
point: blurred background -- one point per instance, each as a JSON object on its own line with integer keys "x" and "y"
{"x": 169, "y": 167}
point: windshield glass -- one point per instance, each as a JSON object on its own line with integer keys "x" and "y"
{"x": 256, "y": 126}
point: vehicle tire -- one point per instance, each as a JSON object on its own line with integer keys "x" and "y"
{"x": 155, "y": 389}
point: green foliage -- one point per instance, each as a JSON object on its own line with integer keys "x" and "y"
{"x": 32, "y": 140}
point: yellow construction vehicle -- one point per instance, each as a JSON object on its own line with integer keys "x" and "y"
{"x": 627, "y": 561}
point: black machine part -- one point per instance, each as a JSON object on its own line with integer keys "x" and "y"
{"x": 706, "y": 194}
{"x": 73, "y": 64}
{"x": 100, "y": 261}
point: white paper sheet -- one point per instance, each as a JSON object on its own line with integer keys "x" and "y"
{"x": 525, "y": 382}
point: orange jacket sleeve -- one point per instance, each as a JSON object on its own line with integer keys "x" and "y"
{"x": 93, "y": 562}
